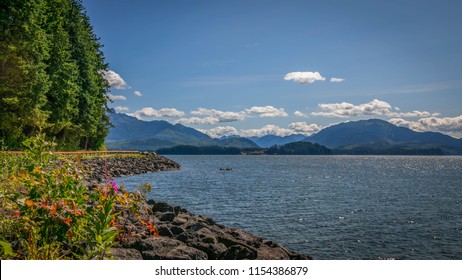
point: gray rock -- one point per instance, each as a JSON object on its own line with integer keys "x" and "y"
{"x": 125, "y": 254}
{"x": 167, "y": 217}
{"x": 238, "y": 252}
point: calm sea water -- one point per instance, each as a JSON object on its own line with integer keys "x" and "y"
{"x": 329, "y": 207}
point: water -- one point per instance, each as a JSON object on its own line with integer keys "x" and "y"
{"x": 329, "y": 207}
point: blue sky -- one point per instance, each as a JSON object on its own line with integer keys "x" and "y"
{"x": 281, "y": 67}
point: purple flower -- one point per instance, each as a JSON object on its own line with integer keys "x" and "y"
{"x": 114, "y": 186}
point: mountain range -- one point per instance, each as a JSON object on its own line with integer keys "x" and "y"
{"x": 379, "y": 134}
{"x": 131, "y": 133}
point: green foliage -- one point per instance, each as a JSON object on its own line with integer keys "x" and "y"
{"x": 193, "y": 150}
{"x": 46, "y": 213}
{"x": 299, "y": 148}
{"x": 50, "y": 75}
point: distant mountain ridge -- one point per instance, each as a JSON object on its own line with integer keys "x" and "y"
{"x": 271, "y": 140}
{"x": 131, "y": 133}
{"x": 379, "y": 134}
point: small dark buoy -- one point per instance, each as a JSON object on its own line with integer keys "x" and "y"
{"x": 226, "y": 169}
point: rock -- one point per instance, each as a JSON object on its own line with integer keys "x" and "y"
{"x": 196, "y": 226}
{"x": 186, "y": 253}
{"x": 238, "y": 252}
{"x": 167, "y": 217}
{"x": 168, "y": 249}
{"x": 176, "y": 230}
{"x": 161, "y": 207}
{"x": 125, "y": 254}
{"x": 179, "y": 221}
{"x": 163, "y": 230}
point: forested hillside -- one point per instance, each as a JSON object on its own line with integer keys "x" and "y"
{"x": 51, "y": 81}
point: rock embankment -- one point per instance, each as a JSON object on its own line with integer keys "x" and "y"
{"x": 185, "y": 236}
{"x": 100, "y": 169}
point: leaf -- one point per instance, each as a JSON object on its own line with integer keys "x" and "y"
{"x": 7, "y": 249}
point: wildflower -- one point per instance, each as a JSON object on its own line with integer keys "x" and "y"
{"x": 114, "y": 187}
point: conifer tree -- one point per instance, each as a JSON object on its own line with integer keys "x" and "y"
{"x": 50, "y": 75}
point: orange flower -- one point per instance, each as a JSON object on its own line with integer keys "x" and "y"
{"x": 29, "y": 203}
{"x": 68, "y": 221}
{"x": 53, "y": 209}
{"x": 16, "y": 214}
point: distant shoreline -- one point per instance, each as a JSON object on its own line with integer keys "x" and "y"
{"x": 296, "y": 148}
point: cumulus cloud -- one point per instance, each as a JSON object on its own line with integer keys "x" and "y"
{"x": 213, "y": 116}
{"x": 121, "y": 108}
{"x": 221, "y": 116}
{"x": 300, "y": 114}
{"x": 373, "y": 108}
{"x": 304, "y": 128}
{"x": 138, "y": 93}
{"x": 445, "y": 125}
{"x": 413, "y": 114}
{"x": 162, "y": 113}
{"x": 114, "y": 80}
{"x": 116, "y": 97}
{"x": 196, "y": 120}
{"x": 294, "y": 128}
{"x": 266, "y": 130}
{"x": 344, "y": 109}
{"x": 267, "y": 112}
{"x": 220, "y": 131}
{"x": 304, "y": 77}
{"x": 336, "y": 80}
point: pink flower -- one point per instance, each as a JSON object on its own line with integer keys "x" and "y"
{"x": 114, "y": 187}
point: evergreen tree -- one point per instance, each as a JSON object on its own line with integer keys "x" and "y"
{"x": 50, "y": 74}
{"x": 24, "y": 50}
{"x": 92, "y": 99}
{"x": 63, "y": 74}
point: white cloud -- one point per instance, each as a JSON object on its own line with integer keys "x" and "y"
{"x": 266, "y": 130}
{"x": 196, "y": 120}
{"x": 121, "y": 108}
{"x": 220, "y": 131}
{"x": 162, "y": 113}
{"x": 413, "y": 114}
{"x": 114, "y": 79}
{"x": 116, "y": 97}
{"x": 446, "y": 125}
{"x": 336, "y": 80}
{"x": 344, "y": 109}
{"x": 221, "y": 116}
{"x": 138, "y": 93}
{"x": 373, "y": 108}
{"x": 300, "y": 114}
{"x": 295, "y": 128}
{"x": 304, "y": 128}
{"x": 267, "y": 112}
{"x": 304, "y": 77}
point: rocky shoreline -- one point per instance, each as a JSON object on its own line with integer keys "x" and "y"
{"x": 99, "y": 169}
{"x": 182, "y": 235}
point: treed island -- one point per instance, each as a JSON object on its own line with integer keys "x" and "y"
{"x": 55, "y": 205}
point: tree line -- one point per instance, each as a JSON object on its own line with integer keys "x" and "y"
{"x": 295, "y": 148}
{"x": 51, "y": 81}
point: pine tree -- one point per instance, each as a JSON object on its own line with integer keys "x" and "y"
{"x": 50, "y": 75}
{"x": 24, "y": 49}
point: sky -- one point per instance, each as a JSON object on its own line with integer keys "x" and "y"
{"x": 259, "y": 67}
